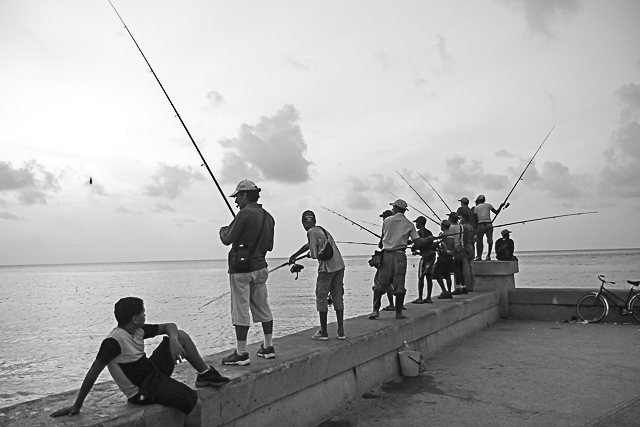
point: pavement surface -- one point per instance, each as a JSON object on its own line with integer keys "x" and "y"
{"x": 516, "y": 373}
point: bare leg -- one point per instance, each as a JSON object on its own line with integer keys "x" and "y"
{"x": 193, "y": 356}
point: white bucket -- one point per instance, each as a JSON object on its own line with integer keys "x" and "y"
{"x": 409, "y": 363}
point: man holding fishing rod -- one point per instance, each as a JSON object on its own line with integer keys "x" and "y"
{"x": 485, "y": 225}
{"x": 330, "y": 279}
{"x": 397, "y": 231}
{"x": 250, "y": 235}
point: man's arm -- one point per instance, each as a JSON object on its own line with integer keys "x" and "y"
{"x": 176, "y": 349}
{"x": 230, "y": 233}
{"x": 498, "y": 210}
{"x": 89, "y": 380}
{"x": 303, "y": 249}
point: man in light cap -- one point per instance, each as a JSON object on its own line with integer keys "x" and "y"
{"x": 396, "y": 232}
{"x": 483, "y": 213}
{"x": 251, "y": 236}
{"x": 391, "y": 307}
{"x": 330, "y": 274}
{"x": 505, "y": 247}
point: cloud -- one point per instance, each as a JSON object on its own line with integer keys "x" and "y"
{"x": 123, "y": 210}
{"x": 298, "y": 63}
{"x": 442, "y": 49}
{"x": 31, "y": 182}
{"x": 505, "y": 153}
{"x": 215, "y": 98}
{"x": 557, "y": 181}
{"x": 273, "y": 150}
{"x": 619, "y": 176}
{"x": 463, "y": 176}
{"x": 542, "y": 14}
{"x": 164, "y": 207}
{"x": 9, "y": 215}
{"x": 171, "y": 181}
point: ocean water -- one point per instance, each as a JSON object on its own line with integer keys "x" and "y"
{"x": 54, "y": 317}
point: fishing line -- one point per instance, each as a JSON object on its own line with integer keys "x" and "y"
{"x": 445, "y": 203}
{"x": 418, "y": 210}
{"x": 414, "y": 190}
{"x": 176, "y": 111}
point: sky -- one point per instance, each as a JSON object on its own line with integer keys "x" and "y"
{"x": 324, "y": 105}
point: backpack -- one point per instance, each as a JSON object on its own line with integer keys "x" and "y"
{"x": 325, "y": 252}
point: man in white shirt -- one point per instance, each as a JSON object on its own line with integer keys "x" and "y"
{"x": 483, "y": 213}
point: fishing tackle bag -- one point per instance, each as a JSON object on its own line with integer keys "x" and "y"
{"x": 325, "y": 252}
{"x": 240, "y": 257}
{"x": 376, "y": 259}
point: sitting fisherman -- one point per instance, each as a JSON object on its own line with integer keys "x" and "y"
{"x": 148, "y": 380}
{"x": 505, "y": 247}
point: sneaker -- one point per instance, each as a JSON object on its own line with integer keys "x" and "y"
{"x": 418, "y": 301}
{"x": 341, "y": 336}
{"x": 266, "y": 352}
{"x": 389, "y": 308}
{"x": 374, "y": 315}
{"x": 477, "y": 258}
{"x": 400, "y": 316}
{"x": 465, "y": 291}
{"x": 211, "y": 378}
{"x": 488, "y": 258}
{"x": 320, "y": 337}
{"x": 428, "y": 301}
{"x": 456, "y": 292}
{"x": 445, "y": 296}
{"x": 236, "y": 359}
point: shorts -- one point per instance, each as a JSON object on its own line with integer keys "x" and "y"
{"x": 249, "y": 294}
{"x": 160, "y": 388}
{"x": 330, "y": 283}
{"x": 443, "y": 267}
{"x": 391, "y": 273}
{"x": 426, "y": 266}
{"x": 485, "y": 228}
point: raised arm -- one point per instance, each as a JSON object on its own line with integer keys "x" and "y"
{"x": 303, "y": 249}
{"x": 176, "y": 349}
{"x": 89, "y": 380}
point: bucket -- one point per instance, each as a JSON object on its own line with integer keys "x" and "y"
{"x": 409, "y": 363}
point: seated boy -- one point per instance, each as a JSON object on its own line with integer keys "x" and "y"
{"x": 148, "y": 380}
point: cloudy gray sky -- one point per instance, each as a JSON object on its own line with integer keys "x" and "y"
{"x": 321, "y": 104}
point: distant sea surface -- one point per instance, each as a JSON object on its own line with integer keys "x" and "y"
{"x": 54, "y": 317}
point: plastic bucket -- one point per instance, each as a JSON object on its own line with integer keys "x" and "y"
{"x": 409, "y": 363}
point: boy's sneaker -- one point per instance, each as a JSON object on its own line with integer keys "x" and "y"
{"x": 211, "y": 378}
{"x": 318, "y": 336}
{"x": 267, "y": 352}
{"x": 374, "y": 315}
{"x": 236, "y": 359}
{"x": 341, "y": 336}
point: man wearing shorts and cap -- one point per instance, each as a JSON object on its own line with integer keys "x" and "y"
{"x": 391, "y": 307}
{"x": 505, "y": 247}
{"x": 251, "y": 236}
{"x": 330, "y": 274}
{"x": 483, "y": 213}
{"x": 396, "y": 232}
{"x": 427, "y": 260}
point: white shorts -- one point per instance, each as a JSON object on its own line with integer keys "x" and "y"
{"x": 249, "y": 294}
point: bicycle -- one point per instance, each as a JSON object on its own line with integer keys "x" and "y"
{"x": 595, "y": 306}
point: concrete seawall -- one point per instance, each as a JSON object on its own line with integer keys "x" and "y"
{"x": 307, "y": 383}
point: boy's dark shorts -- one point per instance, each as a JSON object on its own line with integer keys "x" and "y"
{"x": 160, "y": 388}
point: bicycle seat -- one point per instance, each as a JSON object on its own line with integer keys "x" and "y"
{"x": 633, "y": 282}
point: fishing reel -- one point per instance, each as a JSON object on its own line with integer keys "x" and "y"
{"x": 296, "y": 268}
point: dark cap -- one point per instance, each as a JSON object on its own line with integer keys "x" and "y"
{"x": 446, "y": 223}
{"x": 505, "y": 231}
{"x": 386, "y": 214}
{"x": 308, "y": 216}
{"x": 420, "y": 220}
{"x": 464, "y": 200}
{"x": 454, "y": 216}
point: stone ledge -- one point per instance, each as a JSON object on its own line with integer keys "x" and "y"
{"x": 308, "y": 382}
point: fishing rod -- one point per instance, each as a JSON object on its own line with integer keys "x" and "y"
{"x": 505, "y": 204}
{"x": 352, "y": 222}
{"x": 359, "y": 243}
{"x": 418, "y": 210}
{"x": 215, "y": 299}
{"x": 445, "y": 203}
{"x": 176, "y": 111}
{"x": 284, "y": 264}
{"x": 367, "y": 222}
{"x": 414, "y": 190}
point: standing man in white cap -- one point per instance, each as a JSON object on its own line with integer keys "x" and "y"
{"x": 483, "y": 213}
{"x": 505, "y": 247}
{"x": 330, "y": 274}
{"x": 251, "y": 236}
{"x": 396, "y": 232}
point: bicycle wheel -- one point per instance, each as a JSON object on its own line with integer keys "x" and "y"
{"x": 591, "y": 308}
{"x": 634, "y": 305}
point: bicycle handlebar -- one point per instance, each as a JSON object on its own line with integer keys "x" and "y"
{"x": 601, "y": 277}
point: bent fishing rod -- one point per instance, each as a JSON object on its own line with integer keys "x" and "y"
{"x": 418, "y": 210}
{"x": 445, "y": 203}
{"x": 352, "y": 222}
{"x": 505, "y": 204}
{"x": 414, "y": 190}
{"x": 176, "y": 111}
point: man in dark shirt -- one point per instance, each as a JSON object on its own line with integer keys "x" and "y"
{"x": 505, "y": 247}
{"x": 252, "y": 228}
{"x": 148, "y": 380}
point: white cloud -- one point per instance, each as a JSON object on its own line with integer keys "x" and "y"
{"x": 273, "y": 149}
{"x": 9, "y": 215}
{"x": 171, "y": 181}
{"x": 541, "y": 15}
{"x": 31, "y": 182}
